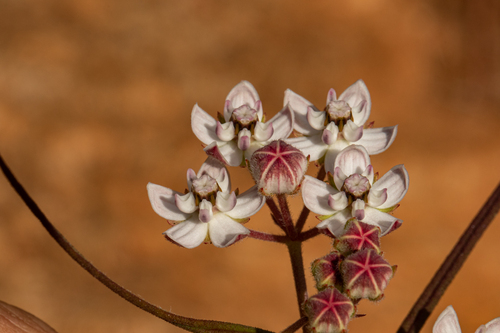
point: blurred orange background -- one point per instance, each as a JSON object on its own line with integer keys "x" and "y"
{"x": 95, "y": 102}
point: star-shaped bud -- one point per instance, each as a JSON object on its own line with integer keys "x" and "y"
{"x": 366, "y": 275}
{"x": 329, "y": 311}
{"x": 326, "y": 271}
{"x": 359, "y": 236}
{"x": 278, "y": 168}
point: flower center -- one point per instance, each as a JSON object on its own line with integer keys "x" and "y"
{"x": 205, "y": 187}
{"x": 244, "y": 117}
{"x": 338, "y": 112}
{"x": 356, "y": 187}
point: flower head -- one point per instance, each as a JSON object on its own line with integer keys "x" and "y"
{"x": 208, "y": 211}
{"x": 353, "y": 192}
{"x": 342, "y": 123}
{"x": 241, "y": 130}
{"x": 278, "y": 168}
{"x": 447, "y": 322}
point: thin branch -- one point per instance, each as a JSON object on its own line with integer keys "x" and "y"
{"x": 275, "y": 213}
{"x": 286, "y": 216}
{"x": 190, "y": 324}
{"x": 429, "y": 298}
{"x": 295, "y": 252}
{"x": 301, "y": 221}
{"x": 268, "y": 237}
{"x": 295, "y": 326}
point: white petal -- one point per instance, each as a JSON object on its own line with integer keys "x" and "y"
{"x": 383, "y": 220}
{"x": 186, "y": 203}
{"x": 282, "y": 123}
{"x": 332, "y": 96}
{"x": 254, "y": 145}
{"x": 315, "y": 194}
{"x": 244, "y": 139}
{"x": 377, "y": 198}
{"x": 338, "y": 201}
{"x": 225, "y": 132}
{"x": 332, "y": 153}
{"x": 336, "y": 223}
{"x": 358, "y": 209}
{"x": 224, "y": 230}
{"x": 330, "y": 134}
{"x": 339, "y": 178}
{"x": 357, "y": 113}
{"x": 247, "y": 204}
{"x": 352, "y": 132}
{"x": 299, "y": 106}
{"x": 353, "y": 96}
{"x": 316, "y": 118}
{"x": 163, "y": 202}
{"x": 225, "y": 201}
{"x": 311, "y": 146}
{"x": 396, "y": 182}
{"x": 217, "y": 171}
{"x": 189, "y": 233}
{"x": 353, "y": 159}
{"x": 447, "y": 322}
{"x": 205, "y": 211}
{"x": 191, "y": 175}
{"x": 377, "y": 140}
{"x": 203, "y": 125}
{"x": 368, "y": 173}
{"x": 243, "y": 93}
{"x": 227, "y": 152}
{"x": 491, "y": 327}
{"x": 263, "y": 132}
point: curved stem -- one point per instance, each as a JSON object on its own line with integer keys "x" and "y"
{"x": 301, "y": 221}
{"x": 190, "y": 324}
{"x": 286, "y": 217}
{"x": 268, "y": 237}
{"x": 295, "y": 326}
{"x": 437, "y": 286}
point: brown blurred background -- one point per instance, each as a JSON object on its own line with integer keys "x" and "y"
{"x": 95, "y": 102}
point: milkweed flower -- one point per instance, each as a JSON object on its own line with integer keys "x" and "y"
{"x": 241, "y": 130}
{"x": 342, "y": 123}
{"x": 352, "y": 192}
{"x": 208, "y": 212}
{"x": 447, "y": 322}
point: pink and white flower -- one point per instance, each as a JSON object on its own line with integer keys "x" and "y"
{"x": 447, "y": 322}
{"x": 342, "y": 123}
{"x": 240, "y": 131}
{"x": 352, "y": 192}
{"x": 208, "y": 211}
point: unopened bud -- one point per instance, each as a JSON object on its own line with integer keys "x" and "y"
{"x": 326, "y": 271}
{"x": 359, "y": 236}
{"x": 278, "y": 168}
{"x": 329, "y": 311}
{"x": 366, "y": 275}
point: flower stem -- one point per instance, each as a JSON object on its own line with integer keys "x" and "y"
{"x": 295, "y": 252}
{"x": 286, "y": 217}
{"x": 301, "y": 221}
{"x": 295, "y": 326}
{"x": 268, "y": 237}
{"x": 189, "y": 324}
{"x": 275, "y": 213}
{"x": 429, "y": 298}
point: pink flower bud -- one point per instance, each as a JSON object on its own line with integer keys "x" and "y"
{"x": 329, "y": 311}
{"x": 359, "y": 236}
{"x": 366, "y": 275}
{"x": 326, "y": 271}
{"x": 278, "y": 168}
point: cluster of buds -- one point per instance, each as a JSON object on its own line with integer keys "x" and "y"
{"x": 353, "y": 206}
{"x": 354, "y": 270}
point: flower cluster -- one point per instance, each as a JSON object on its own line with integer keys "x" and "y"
{"x": 353, "y": 205}
{"x": 447, "y": 322}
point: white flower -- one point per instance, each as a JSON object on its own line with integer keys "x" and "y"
{"x": 326, "y": 133}
{"x": 353, "y": 193}
{"x": 234, "y": 137}
{"x": 447, "y": 322}
{"x": 209, "y": 211}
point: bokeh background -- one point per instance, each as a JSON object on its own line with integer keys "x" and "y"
{"x": 95, "y": 102}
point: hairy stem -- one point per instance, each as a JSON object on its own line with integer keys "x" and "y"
{"x": 190, "y": 324}
{"x": 268, "y": 237}
{"x": 295, "y": 326}
{"x": 286, "y": 217}
{"x": 295, "y": 252}
{"x": 301, "y": 221}
{"x": 429, "y": 298}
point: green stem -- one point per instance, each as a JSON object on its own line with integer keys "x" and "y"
{"x": 189, "y": 324}
{"x": 429, "y": 298}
